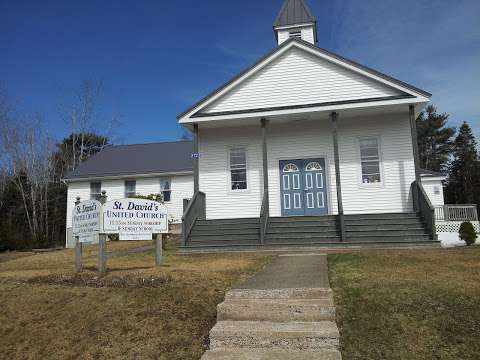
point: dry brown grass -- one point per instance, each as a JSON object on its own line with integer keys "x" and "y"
{"x": 419, "y": 304}
{"x": 49, "y": 313}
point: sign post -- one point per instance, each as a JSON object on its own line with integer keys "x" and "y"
{"x": 78, "y": 248}
{"x": 85, "y": 226}
{"x": 102, "y": 243}
{"x": 158, "y": 249}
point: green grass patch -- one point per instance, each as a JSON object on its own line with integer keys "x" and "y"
{"x": 411, "y": 304}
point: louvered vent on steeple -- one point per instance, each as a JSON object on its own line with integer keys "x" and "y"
{"x": 295, "y": 20}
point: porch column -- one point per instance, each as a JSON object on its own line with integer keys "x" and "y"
{"x": 334, "y": 117}
{"x": 195, "y": 156}
{"x": 264, "y": 123}
{"x": 416, "y": 158}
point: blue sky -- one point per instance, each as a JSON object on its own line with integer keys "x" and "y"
{"x": 155, "y": 58}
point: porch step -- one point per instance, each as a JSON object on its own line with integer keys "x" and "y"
{"x": 236, "y": 354}
{"x": 382, "y": 226}
{"x": 263, "y": 335}
{"x": 388, "y": 238}
{"x": 303, "y": 219}
{"x": 219, "y": 231}
{"x": 386, "y": 232}
{"x": 228, "y": 221}
{"x": 382, "y": 216}
{"x": 283, "y": 310}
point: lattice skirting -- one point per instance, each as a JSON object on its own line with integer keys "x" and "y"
{"x": 454, "y": 226}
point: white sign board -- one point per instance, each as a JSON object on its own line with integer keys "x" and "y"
{"x": 86, "y": 220}
{"x": 135, "y": 216}
{"x": 134, "y": 236}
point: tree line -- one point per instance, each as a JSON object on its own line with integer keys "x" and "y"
{"x": 453, "y": 152}
{"x": 33, "y": 197}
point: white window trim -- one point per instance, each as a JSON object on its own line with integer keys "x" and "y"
{"x": 161, "y": 190}
{"x": 90, "y": 189}
{"x": 125, "y": 187}
{"x": 361, "y": 184}
{"x": 229, "y": 170}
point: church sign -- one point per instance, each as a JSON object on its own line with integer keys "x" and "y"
{"x": 135, "y": 219}
{"x": 86, "y": 220}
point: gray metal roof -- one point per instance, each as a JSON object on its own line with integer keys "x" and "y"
{"x": 294, "y": 12}
{"x": 138, "y": 159}
{"x": 430, "y": 173}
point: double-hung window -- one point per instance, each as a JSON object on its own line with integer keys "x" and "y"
{"x": 95, "y": 190}
{"x": 130, "y": 188}
{"x": 238, "y": 168}
{"x": 370, "y": 160}
{"x": 165, "y": 188}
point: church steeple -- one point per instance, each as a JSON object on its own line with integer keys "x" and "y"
{"x": 295, "y": 20}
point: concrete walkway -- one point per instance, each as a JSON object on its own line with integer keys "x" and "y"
{"x": 285, "y": 312}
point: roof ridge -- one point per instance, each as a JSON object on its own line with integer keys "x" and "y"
{"x": 151, "y": 143}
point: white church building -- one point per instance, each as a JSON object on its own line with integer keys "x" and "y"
{"x": 305, "y": 147}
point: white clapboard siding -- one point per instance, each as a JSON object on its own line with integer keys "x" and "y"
{"x": 308, "y": 139}
{"x": 182, "y": 188}
{"x": 298, "y": 77}
{"x": 430, "y": 185}
{"x": 214, "y": 146}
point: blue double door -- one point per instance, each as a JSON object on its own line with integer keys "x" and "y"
{"x": 303, "y": 187}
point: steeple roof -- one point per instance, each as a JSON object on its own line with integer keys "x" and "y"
{"x": 294, "y": 12}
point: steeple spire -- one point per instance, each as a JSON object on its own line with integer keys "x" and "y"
{"x": 295, "y": 20}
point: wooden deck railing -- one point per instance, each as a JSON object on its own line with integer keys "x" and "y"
{"x": 196, "y": 210}
{"x": 466, "y": 212}
{"x": 264, "y": 215}
{"x": 425, "y": 207}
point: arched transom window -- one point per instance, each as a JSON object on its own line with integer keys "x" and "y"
{"x": 313, "y": 166}
{"x": 290, "y": 168}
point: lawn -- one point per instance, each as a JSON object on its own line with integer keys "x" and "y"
{"x": 137, "y": 311}
{"x": 419, "y": 304}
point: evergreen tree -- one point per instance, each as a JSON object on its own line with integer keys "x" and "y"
{"x": 434, "y": 139}
{"x": 464, "y": 176}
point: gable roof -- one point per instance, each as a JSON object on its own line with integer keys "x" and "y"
{"x": 137, "y": 159}
{"x": 294, "y": 12}
{"x": 321, "y": 52}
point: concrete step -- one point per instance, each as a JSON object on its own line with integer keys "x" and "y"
{"x": 277, "y": 310}
{"x": 273, "y": 335}
{"x": 236, "y": 354}
{"x": 308, "y": 293}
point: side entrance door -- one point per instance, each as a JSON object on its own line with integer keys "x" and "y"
{"x": 303, "y": 188}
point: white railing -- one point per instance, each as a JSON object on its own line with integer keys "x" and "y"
{"x": 456, "y": 213}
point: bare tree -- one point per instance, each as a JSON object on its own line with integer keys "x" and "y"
{"x": 83, "y": 114}
{"x": 26, "y": 160}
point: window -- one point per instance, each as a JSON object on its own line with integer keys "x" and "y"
{"x": 95, "y": 190}
{"x": 165, "y": 188}
{"x": 370, "y": 161}
{"x": 295, "y": 33}
{"x": 238, "y": 168}
{"x": 130, "y": 188}
{"x": 436, "y": 190}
